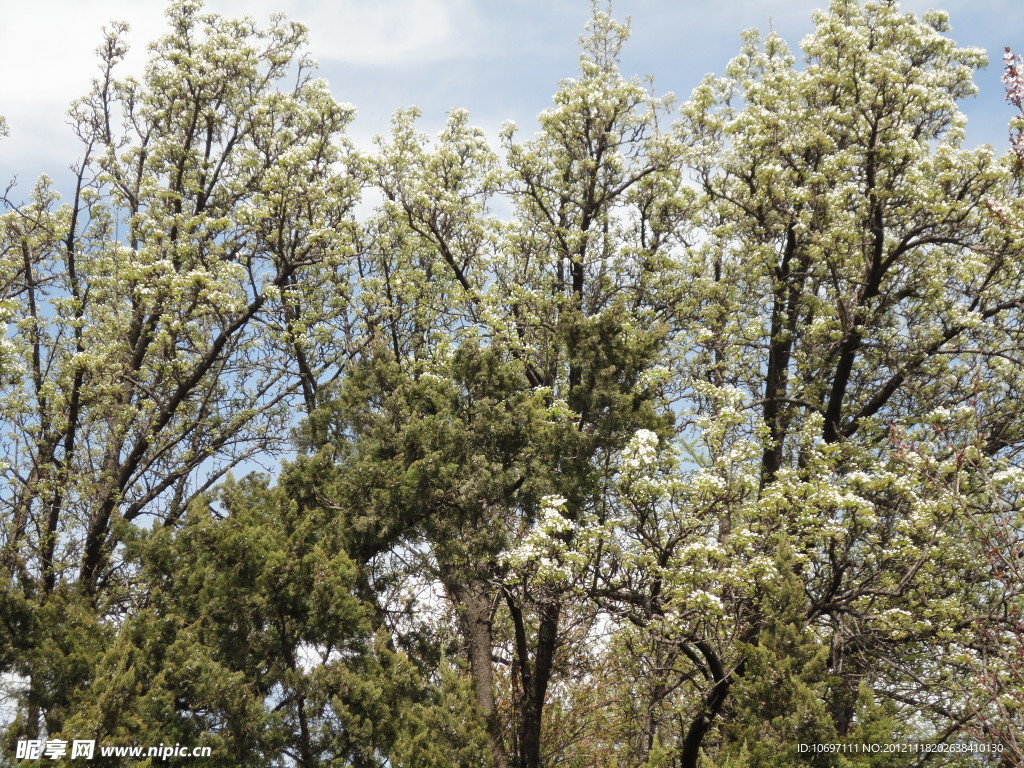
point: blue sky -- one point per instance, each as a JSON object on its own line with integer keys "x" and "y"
{"x": 501, "y": 59}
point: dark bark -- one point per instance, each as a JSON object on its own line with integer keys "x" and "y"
{"x": 535, "y": 674}
{"x": 711, "y": 706}
{"x": 475, "y": 615}
{"x": 789, "y": 282}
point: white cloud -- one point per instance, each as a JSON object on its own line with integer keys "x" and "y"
{"x": 501, "y": 60}
{"x": 51, "y": 45}
{"x": 392, "y": 33}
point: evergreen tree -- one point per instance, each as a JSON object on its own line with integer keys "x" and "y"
{"x": 705, "y": 449}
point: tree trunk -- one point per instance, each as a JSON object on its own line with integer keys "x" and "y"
{"x": 475, "y": 615}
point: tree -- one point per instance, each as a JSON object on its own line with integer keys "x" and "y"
{"x": 1013, "y": 78}
{"x": 987, "y": 492}
{"x": 511, "y": 359}
{"x": 705, "y": 448}
{"x": 160, "y": 324}
{"x": 854, "y": 287}
{"x": 996, "y": 498}
{"x": 252, "y": 640}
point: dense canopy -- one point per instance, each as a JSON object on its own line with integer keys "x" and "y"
{"x": 672, "y": 435}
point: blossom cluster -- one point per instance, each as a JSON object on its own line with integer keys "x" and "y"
{"x": 1013, "y": 79}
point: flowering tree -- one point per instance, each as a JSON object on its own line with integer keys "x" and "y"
{"x": 708, "y": 448}
{"x": 852, "y": 283}
{"x": 512, "y": 361}
{"x": 1013, "y": 78}
{"x": 990, "y": 494}
{"x": 995, "y": 511}
{"x": 154, "y": 319}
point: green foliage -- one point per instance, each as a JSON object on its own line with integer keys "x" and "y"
{"x": 443, "y": 730}
{"x": 707, "y": 449}
{"x": 251, "y": 640}
{"x": 782, "y": 693}
{"x": 791, "y": 693}
{"x": 150, "y": 323}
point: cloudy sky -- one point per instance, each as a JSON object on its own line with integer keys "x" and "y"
{"x": 501, "y": 59}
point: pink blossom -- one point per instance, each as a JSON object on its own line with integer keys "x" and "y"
{"x": 1013, "y": 78}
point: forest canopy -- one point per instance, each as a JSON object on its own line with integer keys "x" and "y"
{"x": 676, "y": 434}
